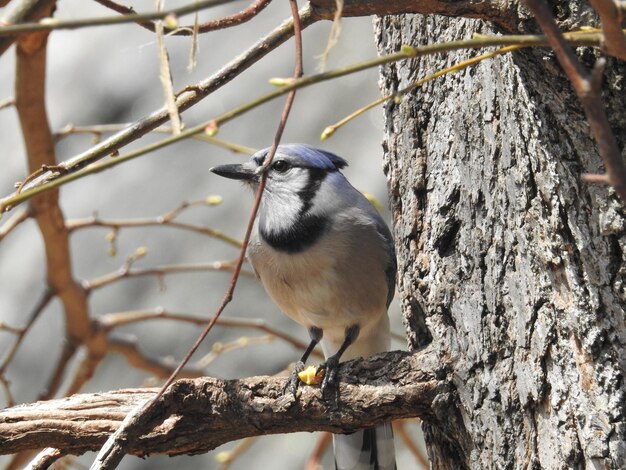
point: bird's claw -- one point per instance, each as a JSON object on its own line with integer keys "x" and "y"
{"x": 330, "y": 383}
{"x": 291, "y": 386}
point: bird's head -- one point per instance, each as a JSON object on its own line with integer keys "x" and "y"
{"x": 294, "y": 179}
{"x": 291, "y": 167}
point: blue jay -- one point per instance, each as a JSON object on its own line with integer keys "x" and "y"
{"x": 326, "y": 257}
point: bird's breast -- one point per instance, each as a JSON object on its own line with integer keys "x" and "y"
{"x": 337, "y": 282}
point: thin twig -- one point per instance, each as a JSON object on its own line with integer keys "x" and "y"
{"x": 221, "y": 23}
{"x": 165, "y": 75}
{"x": 110, "y": 321}
{"x": 186, "y": 99}
{"x": 399, "y": 427}
{"x": 21, "y": 333}
{"x": 14, "y": 222}
{"x": 315, "y": 459}
{"x": 330, "y": 130}
{"x": 98, "y": 130}
{"x": 72, "y": 168}
{"x": 333, "y": 36}
{"x": 45, "y": 459}
{"x": 7, "y": 102}
{"x": 160, "y": 271}
{"x": 611, "y": 17}
{"x": 115, "y": 447}
{"x": 10, "y": 401}
{"x": 159, "y": 367}
{"x": 226, "y": 458}
{"x": 50, "y": 24}
{"x": 220, "y": 348}
{"x": 587, "y": 87}
{"x": 162, "y": 220}
{"x": 56, "y": 378}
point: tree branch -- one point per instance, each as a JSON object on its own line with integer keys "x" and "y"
{"x": 614, "y": 37}
{"x": 30, "y": 105}
{"x": 11, "y": 29}
{"x": 501, "y": 13}
{"x": 189, "y": 97}
{"x": 222, "y": 23}
{"x": 198, "y": 415}
{"x": 587, "y": 87}
{"x": 25, "y": 10}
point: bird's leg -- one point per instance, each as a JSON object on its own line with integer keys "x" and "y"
{"x": 293, "y": 381}
{"x": 331, "y": 366}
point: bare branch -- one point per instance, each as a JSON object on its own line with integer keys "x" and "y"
{"x": 161, "y": 368}
{"x": 31, "y": 109}
{"x": 116, "y": 446}
{"x": 24, "y": 10}
{"x": 614, "y": 37}
{"x": 318, "y": 452}
{"x": 14, "y": 222}
{"x": 501, "y": 13}
{"x": 21, "y": 333}
{"x": 71, "y": 169}
{"x": 7, "y": 102}
{"x": 186, "y": 99}
{"x": 12, "y": 29}
{"x": 587, "y": 87}
{"x": 45, "y": 459}
{"x": 110, "y": 321}
{"x": 161, "y": 271}
{"x": 162, "y": 220}
{"x": 198, "y": 415}
{"x": 221, "y": 23}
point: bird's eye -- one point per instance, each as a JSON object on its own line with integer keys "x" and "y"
{"x": 280, "y": 166}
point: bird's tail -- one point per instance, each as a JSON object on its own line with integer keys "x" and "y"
{"x": 371, "y": 449}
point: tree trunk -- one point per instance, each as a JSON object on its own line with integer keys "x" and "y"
{"x": 510, "y": 263}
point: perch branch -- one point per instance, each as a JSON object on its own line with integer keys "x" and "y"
{"x": 198, "y": 415}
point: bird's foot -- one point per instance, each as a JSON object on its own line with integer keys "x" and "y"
{"x": 330, "y": 383}
{"x": 291, "y": 386}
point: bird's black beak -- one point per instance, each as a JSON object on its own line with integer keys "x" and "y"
{"x": 236, "y": 172}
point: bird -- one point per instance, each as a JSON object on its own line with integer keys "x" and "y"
{"x": 326, "y": 258}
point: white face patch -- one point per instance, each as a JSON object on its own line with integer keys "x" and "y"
{"x": 282, "y": 204}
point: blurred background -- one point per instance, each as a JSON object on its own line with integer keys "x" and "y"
{"x": 104, "y": 75}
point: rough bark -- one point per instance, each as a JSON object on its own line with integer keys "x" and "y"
{"x": 198, "y": 415}
{"x": 506, "y": 259}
